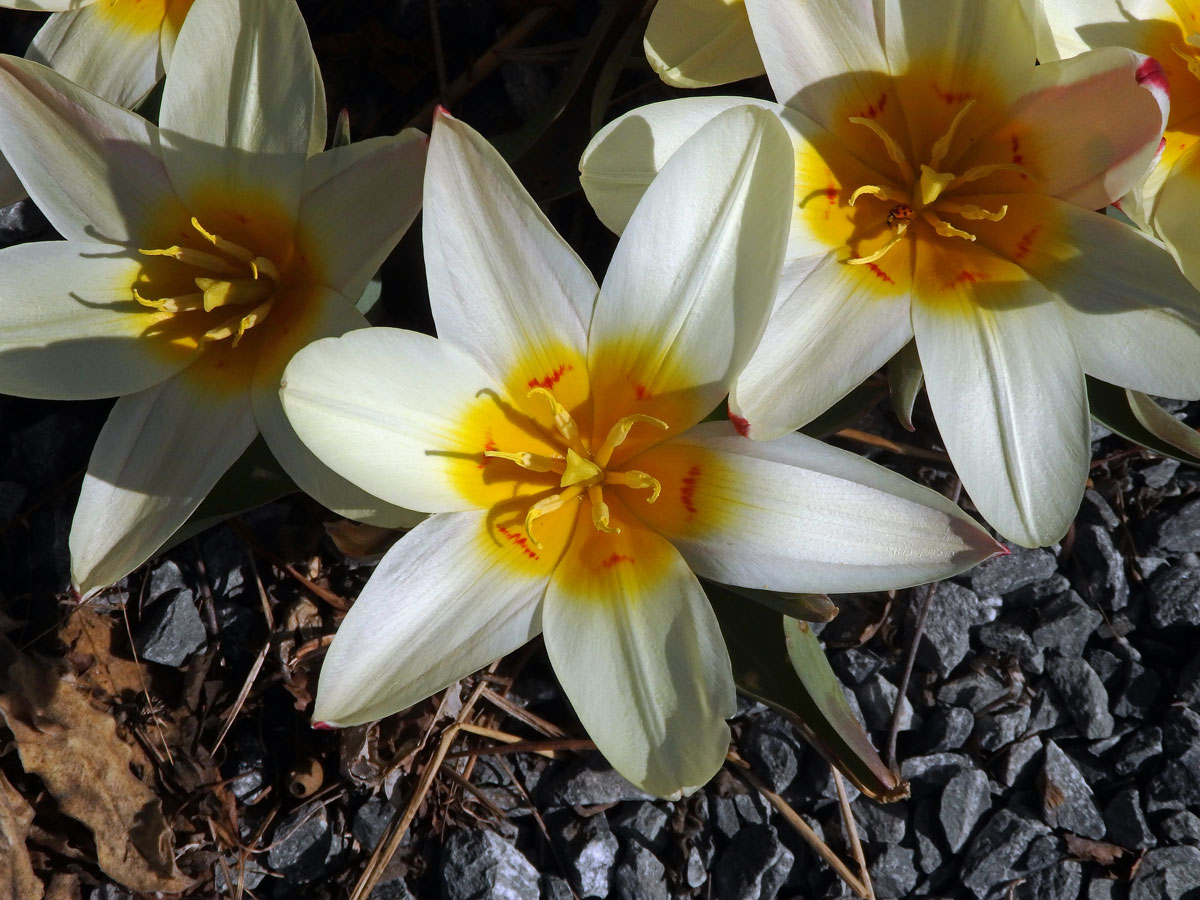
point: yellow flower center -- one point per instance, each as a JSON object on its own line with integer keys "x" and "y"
{"x": 924, "y": 196}
{"x": 583, "y": 471}
{"x": 1189, "y": 54}
{"x": 235, "y": 293}
{"x": 143, "y": 16}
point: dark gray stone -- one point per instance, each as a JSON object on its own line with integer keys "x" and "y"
{"x": 588, "y": 781}
{"x": 893, "y": 873}
{"x": 1174, "y": 596}
{"x": 927, "y": 829}
{"x": 370, "y": 821}
{"x": 750, "y": 866}
{"x": 391, "y": 889}
{"x": 1188, "y": 688}
{"x": 1044, "y": 851}
{"x": 946, "y": 728}
{"x": 854, "y": 666}
{"x": 1104, "y": 580}
{"x": 1005, "y": 574}
{"x": 932, "y": 771}
{"x": 751, "y": 808}
{"x": 247, "y": 877}
{"x": 1083, "y": 695}
{"x": 555, "y": 887}
{"x": 1181, "y": 827}
{"x": 171, "y": 630}
{"x": 587, "y": 848}
{"x": 953, "y": 611}
{"x": 166, "y": 577}
{"x": 1126, "y": 824}
{"x": 1160, "y": 474}
{"x": 225, "y": 564}
{"x": 1095, "y": 511}
{"x": 1057, "y": 882}
{"x": 639, "y": 875}
{"x": 1005, "y": 637}
{"x": 877, "y": 699}
{"x": 695, "y": 872}
{"x": 1144, "y": 744}
{"x": 301, "y": 844}
{"x": 1177, "y": 786}
{"x": 991, "y": 859}
{"x": 1167, "y": 873}
{"x": 1102, "y": 888}
{"x": 975, "y": 690}
{"x": 1107, "y": 665}
{"x": 1137, "y": 693}
{"x": 1180, "y": 532}
{"x": 997, "y": 730}
{"x": 1066, "y": 624}
{"x": 1047, "y": 712}
{"x": 480, "y": 865}
{"x": 964, "y": 801}
{"x": 722, "y": 816}
{"x": 1018, "y": 761}
{"x": 1066, "y": 798}
{"x": 21, "y": 221}
{"x": 772, "y": 754}
{"x": 879, "y": 823}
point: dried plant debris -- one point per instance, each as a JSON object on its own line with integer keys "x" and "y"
{"x": 73, "y": 747}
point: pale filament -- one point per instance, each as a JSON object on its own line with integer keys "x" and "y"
{"x": 581, "y": 472}
{"x": 238, "y": 278}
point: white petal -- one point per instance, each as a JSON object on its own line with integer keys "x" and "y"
{"x": 693, "y": 278}
{"x": 797, "y": 515}
{"x": 345, "y": 217}
{"x": 45, "y": 5}
{"x": 70, "y": 329}
{"x": 239, "y": 103}
{"x": 700, "y": 43}
{"x": 1007, "y": 390}
{"x": 1070, "y": 27}
{"x": 641, "y": 658}
{"x": 503, "y": 285}
{"x": 386, "y": 409}
{"x": 825, "y": 337}
{"x": 94, "y": 169}
{"x": 157, "y": 457}
{"x": 102, "y": 52}
{"x": 625, "y": 155}
{"x": 442, "y": 603}
{"x": 325, "y": 314}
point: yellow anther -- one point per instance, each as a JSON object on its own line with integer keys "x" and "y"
{"x": 875, "y": 190}
{"x": 232, "y": 292}
{"x": 197, "y": 258}
{"x": 977, "y": 172}
{"x": 942, "y": 146}
{"x": 600, "y": 514}
{"x": 637, "y": 480}
{"x": 544, "y": 507}
{"x": 620, "y": 431}
{"x": 580, "y": 471}
{"x": 239, "y": 325}
{"x": 237, "y": 251}
{"x": 183, "y": 303}
{"x": 894, "y": 150}
{"x": 901, "y": 227}
{"x": 932, "y": 184}
{"x": 971, "y": 211}
{"x": 562, "y": 419}
{"x": 534, "y": 462}
{"x": 260, "y": 265}
{"x": 944, "y": 228}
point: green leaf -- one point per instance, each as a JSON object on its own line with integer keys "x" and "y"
{"x": 806, "y": 607}
{"x": 256, "y": 478}
{"x": 846, "y": 411}
{"x": 787, "y": 669}
{"x": 1139, "y": 419}
{"x": 905, "y": 377}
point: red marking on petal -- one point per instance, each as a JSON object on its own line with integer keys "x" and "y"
{"x": 742, "y": 426}
{"x": 1025, "y": 244}
{"x": 323, "y": 726}
{"x": 967, "y": 277}
{"x": 441, "y": 111}
{"x": 519, "y": 540}
{"x": 551, "y": 378}
{"x": 617, "y": 558}
{"x": 1150, "y": 75}
{"x": 1117, "y": 204}
{"x": 687, "y": 490}
{"x": 876, "y": 108}
{"x": 488, "y": 444}
{"x": 640, "y": 392}
{"x": 951, "y": 97}
{"x": 879, "y": 273}
{"x": 831, "y": 194}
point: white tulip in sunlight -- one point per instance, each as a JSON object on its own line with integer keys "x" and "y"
{"x": 945, "y": 190}
{"x": 554, "y": 429}
{"x": 699, "y": 43}
{"x": 199, "y": 256}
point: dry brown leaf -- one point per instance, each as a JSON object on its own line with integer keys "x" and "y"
{"x": 89, "y": 636}
{"x": 73, "y": 747}
{"x": 17, "y": 881}
{"x": 1097, "y": 851}
{"x": 63, "y": 886}
{"x": 359, "y": 540}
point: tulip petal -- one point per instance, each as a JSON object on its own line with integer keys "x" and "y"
{"x": 835, "y": 326}
{"x": 487, "y": 246}
{"x": 93, "y": 168}
{"x": 1134, "y": 318}
{"x": 344, "y": 218}
{"x": 443, "y": 602}
{"x": 70, "y": 329}
{"x": 666, "y": 340}
{"x": 108, "y": 49}
{"x": 239, "y": 106}
{"x": 1069, "y": 152}
{"x": 640, "y": 656}
{"x": 157, "y": 457}
{"x": 407, "y": 417}
{"x": 320, "y": 313}
{"x": 1007, "y": 389}
{"x": 1175, "y": 215}
{"x": 701, "y": 43}
{"x": 797, "y": 515}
